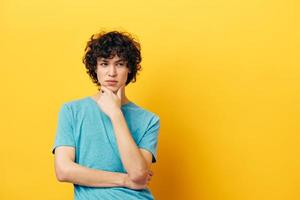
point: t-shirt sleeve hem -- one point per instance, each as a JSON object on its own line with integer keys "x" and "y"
{"x": 54, "y": 147}
{"x": 154, "y": 157}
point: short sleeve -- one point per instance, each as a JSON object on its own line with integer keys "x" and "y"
{"x": 64, "y": 131}
{"x": 150, "y": 138}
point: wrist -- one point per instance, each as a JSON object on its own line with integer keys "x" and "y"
{"x": 124, "y": 180}
{"x": 116, "y": 115}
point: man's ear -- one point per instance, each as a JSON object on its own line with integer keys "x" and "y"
{"x": 129, "y": 70}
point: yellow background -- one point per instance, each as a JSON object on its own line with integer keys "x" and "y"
{"x": 223, "y": 75}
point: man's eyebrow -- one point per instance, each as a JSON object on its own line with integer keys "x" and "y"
{"x": 105, "y": 60}
{"x": 121, "y": 60}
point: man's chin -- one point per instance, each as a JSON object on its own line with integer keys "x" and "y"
{"x": 114, "y": 89}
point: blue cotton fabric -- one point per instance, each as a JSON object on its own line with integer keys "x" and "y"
{"x": 83, "y": 125}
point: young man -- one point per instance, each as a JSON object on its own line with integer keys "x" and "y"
{"x": 105, "y": 144}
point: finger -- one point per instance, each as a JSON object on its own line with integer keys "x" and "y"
{"x": 104, "y": 89}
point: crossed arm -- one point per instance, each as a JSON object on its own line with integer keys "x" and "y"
{"x": 136, "y": 161}
{"x": 68, "y": 171}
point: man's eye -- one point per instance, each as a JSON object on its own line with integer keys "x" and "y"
{"x": 103, "y": 64}
{"x": 121, "y": 64}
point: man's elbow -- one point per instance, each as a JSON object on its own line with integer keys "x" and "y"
{"x": 138, "y": 176}
{"x": 61, "y": 172}
{"x": 60, "y": 178}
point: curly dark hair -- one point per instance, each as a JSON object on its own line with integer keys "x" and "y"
{"x": 107, "y": 45}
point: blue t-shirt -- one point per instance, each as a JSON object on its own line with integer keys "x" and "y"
{"x": 83, "y": 125}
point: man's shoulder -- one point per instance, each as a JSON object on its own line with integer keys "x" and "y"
{"x": 76, "y": 103}
{"x": 144, "y": 111}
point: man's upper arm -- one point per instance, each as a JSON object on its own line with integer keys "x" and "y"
{"x": 147, "y": 156}
{"x": 150, "y": 138}
{"x": 63, "y": 156}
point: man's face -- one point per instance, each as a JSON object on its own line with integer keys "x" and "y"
{"x": 112, "y": 69}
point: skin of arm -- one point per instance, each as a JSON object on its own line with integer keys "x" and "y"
{"x": 68, "y": 171}
{"x": 136, "y": 161}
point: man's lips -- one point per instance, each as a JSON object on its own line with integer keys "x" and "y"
{"x": 111, "y": 82}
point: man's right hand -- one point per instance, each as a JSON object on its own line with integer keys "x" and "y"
{"x": 138, "y": 185}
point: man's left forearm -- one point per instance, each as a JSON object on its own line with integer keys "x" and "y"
{"x": 131, "y": 157}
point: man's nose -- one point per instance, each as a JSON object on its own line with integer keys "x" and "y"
{"x": 112, "y": 70}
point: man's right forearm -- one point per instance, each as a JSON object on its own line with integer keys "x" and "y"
{"x": 80, "y": 175}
